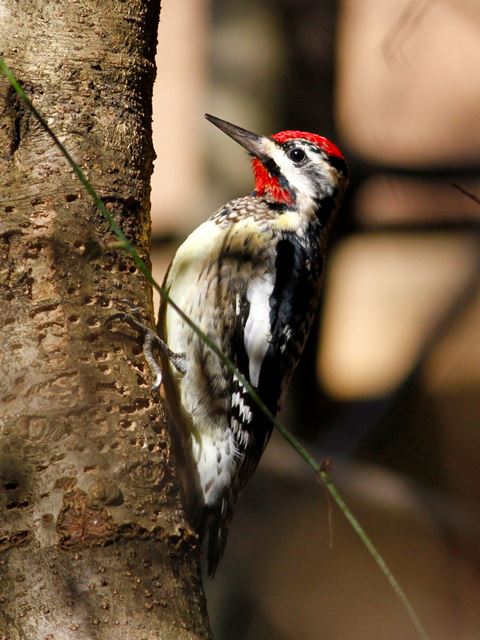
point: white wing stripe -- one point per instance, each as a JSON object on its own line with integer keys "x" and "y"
{"x": 257, "y": 328}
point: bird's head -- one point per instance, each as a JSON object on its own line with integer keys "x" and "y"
{"x": 294, "y": 169}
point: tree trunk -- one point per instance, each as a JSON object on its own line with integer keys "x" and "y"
{"x": 93, "y": 541}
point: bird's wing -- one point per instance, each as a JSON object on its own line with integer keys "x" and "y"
{"x": 272, "y": 321}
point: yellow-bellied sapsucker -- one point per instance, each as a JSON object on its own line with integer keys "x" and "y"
{"x": 250, "y": 278}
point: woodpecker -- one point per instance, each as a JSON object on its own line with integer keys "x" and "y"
{"x": 250, "y": 278}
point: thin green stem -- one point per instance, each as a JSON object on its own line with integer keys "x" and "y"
{"x": 467, "y": 193}
{"x": 321, "y": 473}
{"x": 376, "y": 555}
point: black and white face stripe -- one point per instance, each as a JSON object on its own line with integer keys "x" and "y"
{"x": 274, "y": 170}
{"x": 339, "y": 164}
{"x": 308, "y": 172}
{"x": 292, "y": 147}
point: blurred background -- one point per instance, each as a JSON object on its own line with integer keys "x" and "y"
{"x": 389, "y": 387}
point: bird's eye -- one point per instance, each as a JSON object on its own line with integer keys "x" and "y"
{"x": 297, "y": 155}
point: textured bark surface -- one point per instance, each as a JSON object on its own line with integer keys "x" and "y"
{"x": 93, "y": 543}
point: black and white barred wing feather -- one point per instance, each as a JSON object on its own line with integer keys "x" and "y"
{"x": 272, "y": 321}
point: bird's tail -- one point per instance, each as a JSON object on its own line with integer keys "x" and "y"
{"x": 215, "y": 522}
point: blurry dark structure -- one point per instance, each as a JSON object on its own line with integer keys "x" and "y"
{"x": 390, "y": 385}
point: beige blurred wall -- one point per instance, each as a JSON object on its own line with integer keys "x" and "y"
{"x": 407, "y": 97}
{"x": 408, "y": 90}
{"x": 178, "y": 180}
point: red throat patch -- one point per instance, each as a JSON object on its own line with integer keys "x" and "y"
{"x": 266, "y": 184}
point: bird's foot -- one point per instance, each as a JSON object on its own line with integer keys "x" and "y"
{"x": 132, "y": 317}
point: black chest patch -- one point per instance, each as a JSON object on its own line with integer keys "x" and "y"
{"x": 293, "y": 301}
{"x": 295, "y": 291}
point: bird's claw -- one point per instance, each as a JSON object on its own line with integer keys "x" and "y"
{"x": 151, "y": 340}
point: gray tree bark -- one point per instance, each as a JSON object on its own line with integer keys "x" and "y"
{"x": 93, "y": 541}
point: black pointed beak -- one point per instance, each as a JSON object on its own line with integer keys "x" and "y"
{"x": 253, "y": 143}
